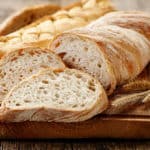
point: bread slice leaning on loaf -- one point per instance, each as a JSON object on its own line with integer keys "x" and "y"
{"x": 60, "y": 96}
{"x": 112, "y": 54}
{"x": 22, "y": 63}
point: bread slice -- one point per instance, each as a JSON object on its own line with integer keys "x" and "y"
{"x": 22, "y": 63}
{"x": 107, "y": 53}
{"x": 59, "y": 96}
{"x": 25, "y": 17}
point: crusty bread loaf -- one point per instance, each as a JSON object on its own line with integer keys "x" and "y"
{"x": 25, "y": 17}
{"x": 106, "y": 52}
{"x": 60, "y": 96}
{"x": 135, "y": 20}
{"x": 46, "y": 28}
{"x": 22, "y": 63}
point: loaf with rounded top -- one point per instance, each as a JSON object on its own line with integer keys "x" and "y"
{"x": 46, "y": 28}
{"x": 59, "y": 96}
{"x": 22, "y": 63}
{"x": 135, "y": 20}
{"x": 113, "y": 54}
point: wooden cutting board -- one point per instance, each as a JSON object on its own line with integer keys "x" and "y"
{"x": 99, "y": 127}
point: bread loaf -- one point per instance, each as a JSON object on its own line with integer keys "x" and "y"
{"x": 20, "y": 64}
{"x": 25, "y": 17}
{"x": 114, "y": 55}
{"x": 46, "y": 28}
{"x": 66, "y": 96}
{"x": 135, "y": 20}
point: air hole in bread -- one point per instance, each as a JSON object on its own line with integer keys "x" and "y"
{"x": 86, "y": 49}
{"x": 61, "y": 102}
{"x": 99, "y": 65}
{"x": 57, "y": 95}
{"x": 5, "y": 90}
{"x": 82, "y": 105}
{"x": 41, "y": 88}
{"x": 17, "y": 104}
{"x": 91, "y": 85}
{"x": 30, "y": 70}
{"x": 21, "y": 75}
{"x": 45, "y": 82}
{"x": 3, "y": 84}
{"x": 73, "y": 59}
{"x": 27, "y": 101}
{"x": 74, "y": 106}
{"x": 56, "y": 85}
{"x": 62, "y": 54}
{"x": 45, "y": 92}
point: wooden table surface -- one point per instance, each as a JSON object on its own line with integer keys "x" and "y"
{"x": 9, "y": 6}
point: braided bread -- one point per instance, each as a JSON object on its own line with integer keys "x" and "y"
{"x": 46, "y": 28}
{"x": 26, "y": 16}
{"x": 113, "y": 54}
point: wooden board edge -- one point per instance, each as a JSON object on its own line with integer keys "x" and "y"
{"x": 99, "y": 127}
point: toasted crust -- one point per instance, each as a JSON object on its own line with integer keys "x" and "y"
{"x": 25, "y": 17}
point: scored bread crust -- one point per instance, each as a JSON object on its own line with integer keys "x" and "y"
{"x": 116, "y": 43}
{"x": 26, "y": 16}
{"x": 19, "y": 64}
{"x": 135, "y": 20}
{"x": 77, "y": 15}
{"x": 52, "y": 114}
{"x": 126, "y": 50}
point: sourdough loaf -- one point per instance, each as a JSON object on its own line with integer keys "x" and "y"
{"x": 60, "y": 96}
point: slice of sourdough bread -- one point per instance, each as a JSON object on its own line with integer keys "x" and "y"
{"x": 59, "y": 96}
{"x": 22, "y": 63}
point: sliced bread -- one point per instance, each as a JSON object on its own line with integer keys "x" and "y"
{"x": 112, "y": 54}
{"x": 22, "y": 63}
{"x": 59, "y": 96}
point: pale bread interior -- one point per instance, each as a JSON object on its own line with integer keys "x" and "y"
{"x": 85, "y": 55}
{"x": 71, "y": 94}
{"x": 21, "y": 64}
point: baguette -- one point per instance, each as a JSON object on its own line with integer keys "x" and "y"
{"x": 26, "y": 16}
{"x": 22, "y": 63}
{"x": 106, "y": 52}
{"x": 46, "y": 28}
{"x": 66, "y": 96}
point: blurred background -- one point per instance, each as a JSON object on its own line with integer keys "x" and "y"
{"x": 7, "y": 7}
